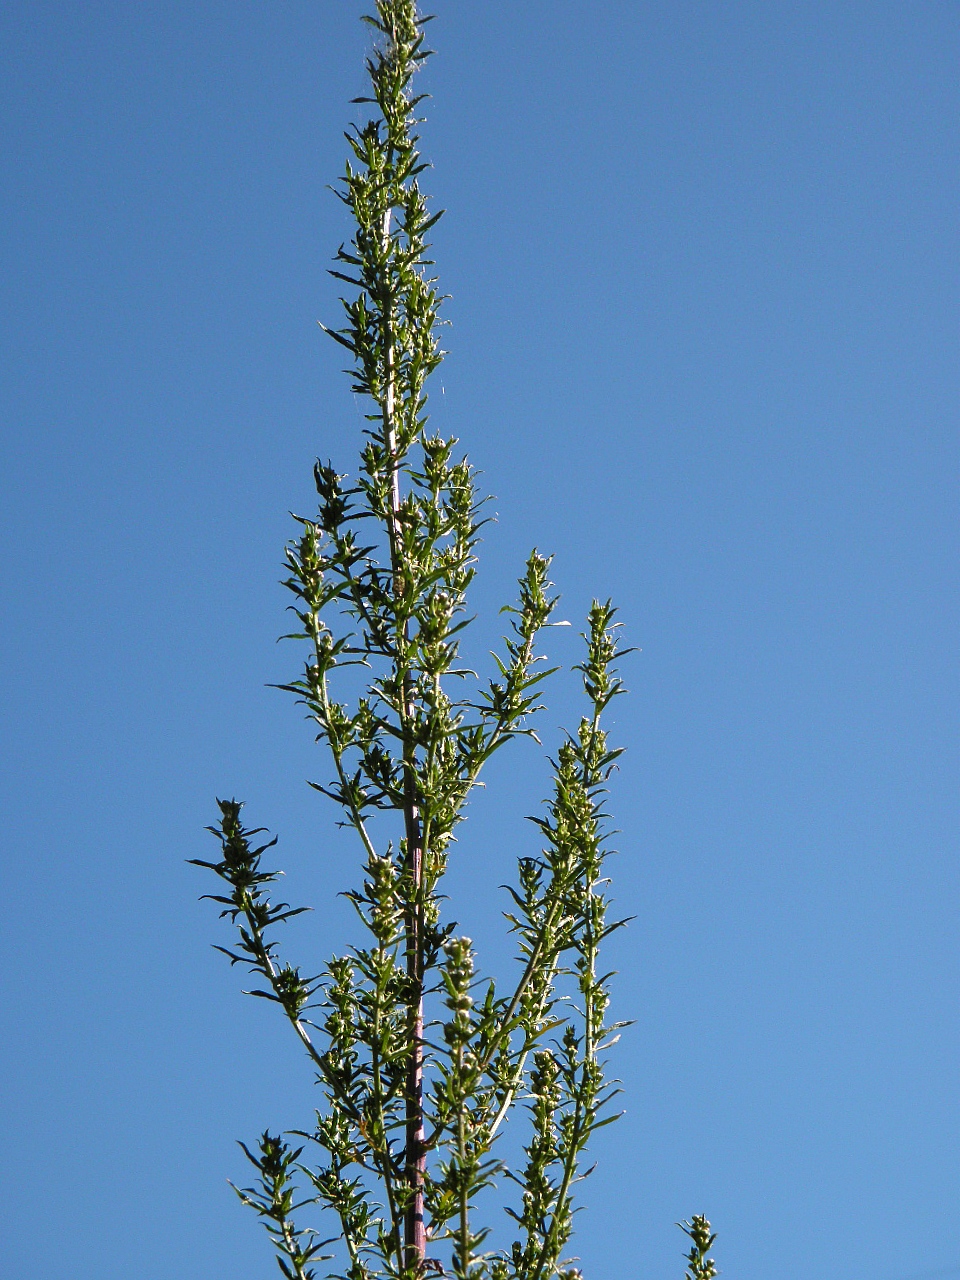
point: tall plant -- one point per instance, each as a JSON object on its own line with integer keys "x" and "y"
{"x": 420, "y": 1061}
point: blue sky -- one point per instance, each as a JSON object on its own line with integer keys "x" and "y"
{"x": 703, "y": 267}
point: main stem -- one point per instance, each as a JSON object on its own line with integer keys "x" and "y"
{"x": 415, "y": 1162}
{"x": 415, "y": 1231}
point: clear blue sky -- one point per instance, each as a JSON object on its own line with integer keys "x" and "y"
{"x": 703, "y": 267}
